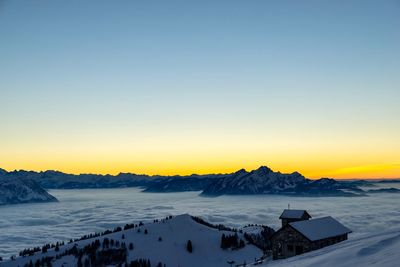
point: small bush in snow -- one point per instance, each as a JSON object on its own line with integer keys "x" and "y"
{"x": 189, "y": 246}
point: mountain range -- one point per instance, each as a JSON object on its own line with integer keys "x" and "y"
{"x": 265, "y": 181}
{"x": 260, "y": 181}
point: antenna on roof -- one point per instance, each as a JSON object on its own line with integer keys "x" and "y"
{"x": 288, "y": 206}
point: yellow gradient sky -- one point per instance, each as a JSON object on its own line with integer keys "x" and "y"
{"x": 194, "y": 152}
{"x": 206, "y": 87}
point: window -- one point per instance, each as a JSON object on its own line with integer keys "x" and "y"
{"x": 290, "y": 248}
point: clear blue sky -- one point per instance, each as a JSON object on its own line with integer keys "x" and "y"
{"x": 185, "y": 85}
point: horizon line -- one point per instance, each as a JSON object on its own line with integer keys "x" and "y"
{"x": 192, "y": 174}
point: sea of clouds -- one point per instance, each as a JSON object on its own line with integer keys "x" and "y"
{"x": 86, "y": 211}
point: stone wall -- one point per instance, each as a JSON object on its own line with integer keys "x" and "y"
{"x": 287, "y": 242}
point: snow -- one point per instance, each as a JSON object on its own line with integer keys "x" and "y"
{"x": 17, "y": 190}
{"x": 292, "y": 214}
{"x": 171, "y": 250}
{"x": 320, "y": 228}
{"x": 372, "y": 250}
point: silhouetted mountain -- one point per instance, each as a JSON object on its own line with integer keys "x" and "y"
{"x": 59, "y": 180}
{"x": 384, "y": 181}
{"x": 265, "y": 181}
{"x": 2, "y": 171}
{"x": 157, "y": 183}
{"x": 260, "y": 181}
{"x": 181, "y": 183}
{"x": 384, "y": 190}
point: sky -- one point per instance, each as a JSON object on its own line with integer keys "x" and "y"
{"x": 181, "y": 87}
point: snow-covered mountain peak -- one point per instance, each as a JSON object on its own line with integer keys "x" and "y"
{"x": 18, "y": 190}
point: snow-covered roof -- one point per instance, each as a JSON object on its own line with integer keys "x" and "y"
{"x": 293, "y": 214}
{"x": 320, "y": 228}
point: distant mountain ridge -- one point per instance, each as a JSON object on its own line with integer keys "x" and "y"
{"x": 260, "y": 181}
{"x": 253, "y": 182}
{"x": 265, "y": 181}
{"x": 28, "y": 186}
{"x": 58, "y": 180}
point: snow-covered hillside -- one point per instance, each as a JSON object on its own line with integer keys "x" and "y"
{"x": 17, "y": 190}
{"x": 378, "y": 249}
{"x": 164, "y": 241}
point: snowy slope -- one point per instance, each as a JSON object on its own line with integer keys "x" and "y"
{"x": 17, "y": 190}
{"x": 380, "y": 250}
{"x": 171, "y": 250}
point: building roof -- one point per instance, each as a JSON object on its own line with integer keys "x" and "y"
{"x": 320, "y": 228}
{"x": 293, "y": 214}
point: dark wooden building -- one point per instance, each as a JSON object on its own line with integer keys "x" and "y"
{"x": 298, "y": 237}
{"x": 289, "y": 216}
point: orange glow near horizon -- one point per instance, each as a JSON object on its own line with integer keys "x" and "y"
{"x": 170, "y": 153}
{"x": 383, "y": 171}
